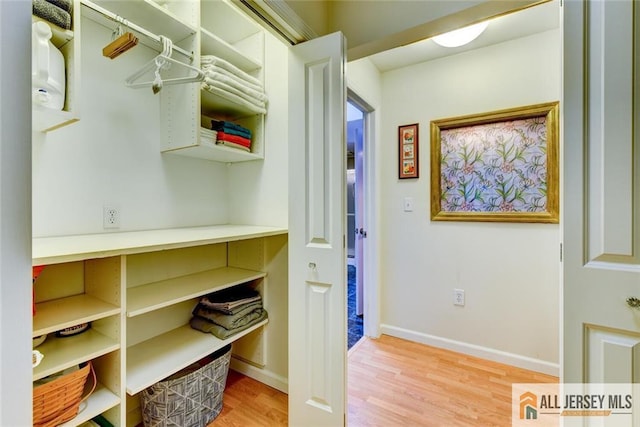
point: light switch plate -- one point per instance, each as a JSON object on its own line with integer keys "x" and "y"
{"x": 408, "y": 204}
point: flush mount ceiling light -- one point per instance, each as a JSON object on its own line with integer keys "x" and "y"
{"x": 462, "y": 36}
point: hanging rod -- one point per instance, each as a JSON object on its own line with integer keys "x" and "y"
{"x": 138, "y": 29}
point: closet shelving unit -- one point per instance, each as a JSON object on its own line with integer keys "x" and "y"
{"x": 71, "y": 294}
{"x": 149, "y": 361}
{"x": 205, "y": 28}
{"x": 68, "y": 42}
{"x": 225, "y": 32}
{"x": 138, "y": 290}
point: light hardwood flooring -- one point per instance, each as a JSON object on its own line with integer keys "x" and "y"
{"x": 393, "y": 382}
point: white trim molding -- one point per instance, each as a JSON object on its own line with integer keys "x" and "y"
{"x": 494, "y": 355}
{"x": 264, "y": 376}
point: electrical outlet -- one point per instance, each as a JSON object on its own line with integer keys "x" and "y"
{"x": 458, "y": 297}
{"x": 110, "y": 217}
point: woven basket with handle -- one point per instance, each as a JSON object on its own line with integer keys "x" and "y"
{"x": 58, "y": 401}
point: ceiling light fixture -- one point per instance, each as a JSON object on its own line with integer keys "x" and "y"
{"x": 461, "y": 36}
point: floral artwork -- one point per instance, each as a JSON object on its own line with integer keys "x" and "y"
{"x": 497, "y": 167}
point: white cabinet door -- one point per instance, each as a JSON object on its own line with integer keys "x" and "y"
{"x": 317, "y": 211}
{"x": 601, "y": 192}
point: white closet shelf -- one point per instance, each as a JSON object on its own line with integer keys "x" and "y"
{"x": 156, "y": 295}
{"x": 214, "y": 45}
{"x": 216, "y": 105}
{"x": 147, "y": 14}
{"x": 224, "y": 18}
{"x": 102, "y": 399}
{"x": 62, "y": 313}
{"x": 62, "y": 353}
{"x": 153, "y": 360}
{"x": 209, "y": 150}
{"x": 55, "y": 250}
{"x": 46, "y": 120}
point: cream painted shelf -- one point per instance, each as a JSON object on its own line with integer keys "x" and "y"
{"x": 62, "y": 353}
{"x": 55, "y": 250}
{"x": 209, "y": 150}
{"x": 155, "y": 359}
{"x": 211, "y": 44}
{"x": 101, "y": 400}
{"x": 175, "y": 21}
{"x": 153, "y": 296}
{"x": 46, "y": 119}
{"x": 62, "y": 313}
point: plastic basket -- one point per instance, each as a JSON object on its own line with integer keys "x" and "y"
{"x": 58, "y": 401}
{"x": 191, "y": 398}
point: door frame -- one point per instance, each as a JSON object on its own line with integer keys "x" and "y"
{"x": 371, "y": 253}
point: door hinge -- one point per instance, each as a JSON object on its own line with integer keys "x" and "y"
{"x": 560, "y": 252}
{"x": 344, "y": 241}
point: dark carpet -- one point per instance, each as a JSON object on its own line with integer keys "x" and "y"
{"x": 354, "y": 323}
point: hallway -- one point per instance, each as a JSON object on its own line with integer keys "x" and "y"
{"x": 393, "y": 382}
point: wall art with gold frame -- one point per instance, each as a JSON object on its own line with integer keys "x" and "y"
{"x": 498, "y": 166}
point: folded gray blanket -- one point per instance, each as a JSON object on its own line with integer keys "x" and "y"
{"x": 220, "y": 331}
{"x": 225, "y": 318}
{"x": 229, "y": 321}
{"x": 52, "y": 13}
{"x": 63, "y": 4}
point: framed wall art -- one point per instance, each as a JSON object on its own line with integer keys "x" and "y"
{"x": 498, "y": 166}
{"x": 408, "y": 144}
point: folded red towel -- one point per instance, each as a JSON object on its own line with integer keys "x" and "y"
{"x": 222, "y": 136}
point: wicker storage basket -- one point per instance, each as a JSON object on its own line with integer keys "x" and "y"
{"x": 191, "y": 398}
{"x": 58, "y": 401}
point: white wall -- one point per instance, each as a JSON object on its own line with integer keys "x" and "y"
{"x": 112, "y": 156}
{"x": 510, "y": 272}
{"x": 258, "y": 191}
{"x": 15, "y": 221}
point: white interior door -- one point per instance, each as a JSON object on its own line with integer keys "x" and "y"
{"x": 601, "y": 191}
{"x": 317, "y": 253}
{"x": 360, "y": 224}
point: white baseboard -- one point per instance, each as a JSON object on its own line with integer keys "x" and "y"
{"x": 499, "y": 356}
{"x": 266, "y": 377}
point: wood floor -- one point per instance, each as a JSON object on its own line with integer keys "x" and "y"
{"x": 393, "y": 382}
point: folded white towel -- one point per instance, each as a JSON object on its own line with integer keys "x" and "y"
{"x": 207, "y": 69}
{"x": 248, "y": 104}
{"x": 233, "y": 86}
{"x": 219, "y": 62}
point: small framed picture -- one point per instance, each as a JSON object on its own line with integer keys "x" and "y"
{"x": 408, "y": 151}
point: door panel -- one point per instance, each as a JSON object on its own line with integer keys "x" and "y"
{"x": 601, "y": 191}
{"x": 610, "y": 144}
{"x": 317, "y": 253}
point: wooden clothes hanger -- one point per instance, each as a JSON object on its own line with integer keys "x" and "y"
{"x": 164, "y": 61}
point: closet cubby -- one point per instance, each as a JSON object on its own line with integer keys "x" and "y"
{"x": 138, "y": 290}
{"x": 68, "y": 42}
{"x": 225, "y": 32}
{"x": 70, "y": 294}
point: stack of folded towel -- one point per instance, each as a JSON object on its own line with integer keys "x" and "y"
{"x": 228, "y": 312}
{"x": 228, "y": 81}
{"x": 232, "y": 135}
{"x": 58, "y": 12}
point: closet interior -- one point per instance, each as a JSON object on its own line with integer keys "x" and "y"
{"x": 137, "y": 289}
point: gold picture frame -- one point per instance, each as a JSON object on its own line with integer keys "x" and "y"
{"x": 497, "y": 166}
